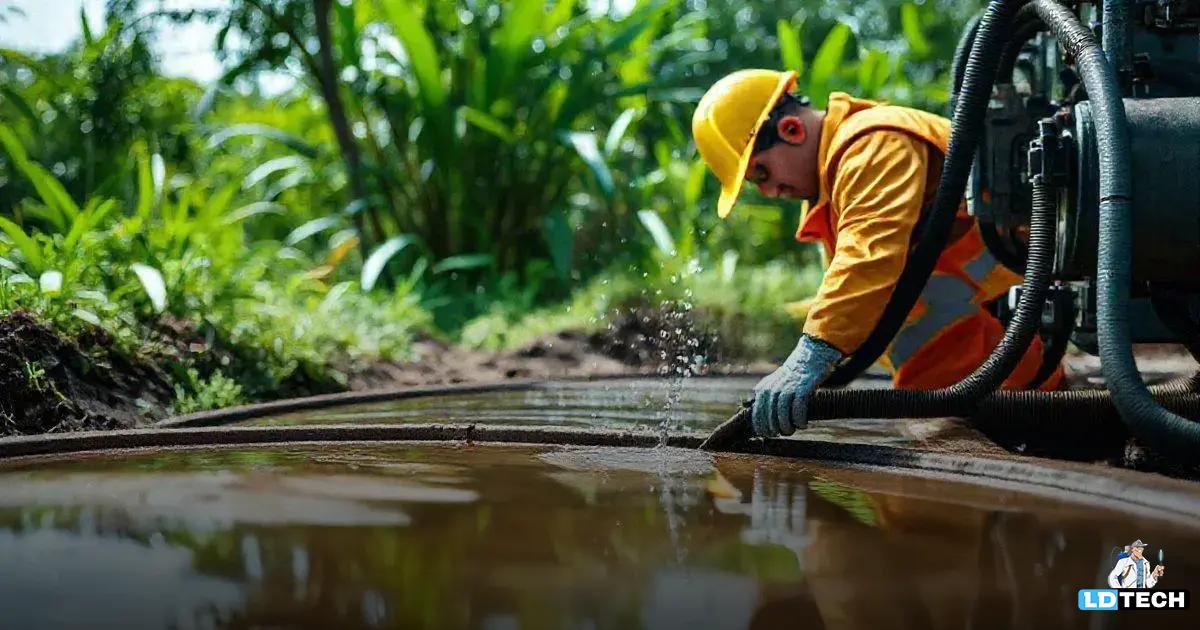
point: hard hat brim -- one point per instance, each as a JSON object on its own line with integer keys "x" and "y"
{"x": 730, "y": 190}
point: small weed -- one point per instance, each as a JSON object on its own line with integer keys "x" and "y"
{"x": 200, "y": 394}
{"x": 35, "y": 375}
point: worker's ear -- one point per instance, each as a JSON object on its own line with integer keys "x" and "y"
{"x": 791, "y": 130}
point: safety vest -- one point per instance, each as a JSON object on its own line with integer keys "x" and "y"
{"x": 966, "y": 274}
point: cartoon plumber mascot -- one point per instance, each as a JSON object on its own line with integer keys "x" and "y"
{"x": 1133, "y": 571}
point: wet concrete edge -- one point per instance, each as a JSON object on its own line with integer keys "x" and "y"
{"x": 1117, "y": 489}
{"x": 228, "y": 415}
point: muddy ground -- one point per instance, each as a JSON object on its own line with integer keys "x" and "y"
{"x": 50, "y": 384}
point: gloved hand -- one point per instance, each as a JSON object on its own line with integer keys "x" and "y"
{"x": 781, "y": 399}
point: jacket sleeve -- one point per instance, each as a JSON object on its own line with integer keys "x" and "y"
{"x": 1150, "y": 579}
{"x": 1114, "y": 577}
{"x": 877, "y": 196}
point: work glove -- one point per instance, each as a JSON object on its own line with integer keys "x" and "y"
{"x": 781, "y": 399}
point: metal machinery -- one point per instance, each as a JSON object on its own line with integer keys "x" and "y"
{"x": 1040, "y": 121}
{"x": 1076, "y": 138}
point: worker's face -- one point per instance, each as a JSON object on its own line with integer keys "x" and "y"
{"x": 1136, "y": 553}
{"x": 789, "y": 168}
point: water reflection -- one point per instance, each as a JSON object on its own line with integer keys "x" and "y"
{"x": 504, "y": 537}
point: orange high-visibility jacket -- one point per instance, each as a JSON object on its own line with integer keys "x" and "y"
{"x": 879, "y": 166}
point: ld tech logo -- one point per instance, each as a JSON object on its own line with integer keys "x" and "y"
{"x": 1130, "y": 583}
{"x": 1113, "y": 599}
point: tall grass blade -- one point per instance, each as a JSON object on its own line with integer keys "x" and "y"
{"x": 658, "y": 231}
{"x": 310, "y": 228}
{"x": 379, "y": 258}
{"x": 789, "y": 46}
{"x": 153, "y": 284}
{"x": 585, "y": 145}
{"x": 27, "y": 246}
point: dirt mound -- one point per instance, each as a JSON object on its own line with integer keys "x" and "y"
{"x": 435, "y": 363}
{"x": 50, "y": 384}
{"x": 668, "y": 341}
{"x": 640, "y": 341}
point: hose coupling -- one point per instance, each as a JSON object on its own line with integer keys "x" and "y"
{"x": 1047, "y": 162}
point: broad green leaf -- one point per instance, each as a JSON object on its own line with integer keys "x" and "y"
{"x": 309, "y": 228}
{"x": 88, "y": 219}
{"x": 463, "y": 262}
{"x": 270, "y": 167}
{"x": 585, "y": 145}
{"x": 158, "y": 173}
{"x": 658, "y": 231}
{"x": 873, "y": 72}
{"x": 154, "y": 285}
{"x": 256, "y": 130}
{"x": 29, "y": 248}
{"x": 828, "y": 61}
{"x": 87, "y": 316}
{"x": 560, "y": 241}
{"x": 347, "y": 29}
{"x": 52, "y": 193}
{"x": 8, "y": 264}
{"x": 418, "y": 45}
{"x": 252, "y": 210}
{"x": 287, "y": 182}
{"x": 910, "y": 22}
{"x": 85, "y": 28}
{"x": 613, "y": 141}
{"x": 92, "y": 295}
{"x": 729, "y": 261}
{"x": 789, "y": 46}
{"x": 50, "y": 282}
{"x": 145, "y": 183}
{"x": 21, "y": 105}
{"x": 513, "y": 39}
{"x": 379, "y": 258}
{"x": 335, "y": 294}
{"x": 559, "y": 15}
{"x": 32, "y": 209}
{"x": 487, "y": 123}
{"x": 20, "y": 278}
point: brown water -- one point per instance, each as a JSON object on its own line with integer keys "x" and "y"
{"x": 495, "y": 537}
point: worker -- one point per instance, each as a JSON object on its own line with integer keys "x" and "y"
{"x": 867, "y": 170}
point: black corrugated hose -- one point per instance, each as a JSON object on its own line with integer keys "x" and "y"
{"x": 1146, "y": 419}
{"x": 958, "y": 63}
{"x": 1027, "y": 25}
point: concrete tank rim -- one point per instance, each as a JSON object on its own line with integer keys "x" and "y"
{"x": 1117, "y": 489}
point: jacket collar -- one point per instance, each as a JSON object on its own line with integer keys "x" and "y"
{"x": 817, "y": 224}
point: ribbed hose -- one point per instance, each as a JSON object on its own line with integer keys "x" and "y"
{"x": 1092, "y": 406}
{"x": 978, "y": 77}
{"x": 1145, "y": 418}
{"x": 958, "y": 64}
{"x": 962, "y": 398}
{"x": 1027, "y": 24}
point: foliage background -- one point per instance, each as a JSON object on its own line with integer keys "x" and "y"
{"x": 481, "y": 171}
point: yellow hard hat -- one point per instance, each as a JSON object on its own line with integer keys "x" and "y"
{"x": 727, "y": 121}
